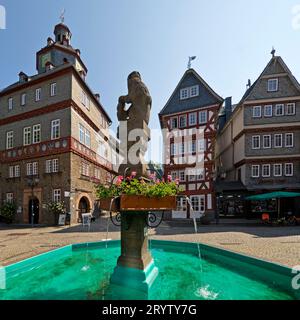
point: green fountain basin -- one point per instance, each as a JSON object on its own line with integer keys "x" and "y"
{"x": 83, "y": 272}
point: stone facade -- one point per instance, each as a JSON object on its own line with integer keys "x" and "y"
{"x": 67, "y": 164}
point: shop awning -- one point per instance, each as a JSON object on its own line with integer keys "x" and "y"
{"x": 274, "y": 195}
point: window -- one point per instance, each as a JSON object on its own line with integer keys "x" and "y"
{"x": 192, "y": 146}
{"x": 81, "y": 133}
{"x": 256, "y": 112}
{"x": 192, "y": 176}
{"x": 36, "y": 133}
{"x": 182, "y": 176}
{"x": 198, "y": 203}
{"x": 52, "y": 166}
{"x": 181, "y": 204}
{"x": 272, "y": 85}
{"x": 23, "y": 99}
{"x": 201, "y": 145}
{"x": 255, "y": 171}
{"x": 279, "y": 110}
{"x": 10, "y": 104}
{"x": 85, "y": 100}
{"x": 9, "y": 140}
{"x": 29, "y": 169}
{"x": 256, "y": 142}
{"x": 268, "y": 111}
{"x": 84, "y": 136}
{"x": 278, "y": 141}
{"x": 182, "y": 148}
{"x": 97, "y": 174}
{"x": 27, "y": 136}
{"x": 289, "y": 169}
{"x": 194, "y": 91}
{"x": 290, "y": 109}
{"x": 202, "y": 117}
{"x": 9, "y": 197}
{"x": 174, "y": 175}
{"x": 266, "y": 170}
{"x": 55, "y": 129}
{"x": 32, "y": 169}
{"x": 14, "y": 171}
{"x": 87, "y": 138}
{"x": 173, "y": 148}
{"x": 38, "y": 94}
{"x": 184, "y": 94}
{"x": 35, "y": 169}
{"x": 85, "y": 169}
{"x": 267, "y": 142}
{"x": 56, "y": 195}
{"x": 200, "y": 174}
{"x": 277, "y": 170}
{"x": 53, "y": 89}
{"x": 11, "y": 172}
{"x": 174, "y": 123}
{"x": 192, "y": 119}
{"x": 182, "y": 121}
{"x": 289, "y": 140}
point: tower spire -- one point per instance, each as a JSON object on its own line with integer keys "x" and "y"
{"x": 62, "y": 16}
{"x": 273, "y": 52}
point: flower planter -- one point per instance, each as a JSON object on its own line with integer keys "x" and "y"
{"x": 139, "y": 203}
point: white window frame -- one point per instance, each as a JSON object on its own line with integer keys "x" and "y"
{"x": 194, "y": 91}
{"x": 174, "y": 175}
{"x": 292, "y": 169}
{"x": 184, "y": 93}
{"x": 279, "y": 106}
{"x": 191, "y": 116}
{"x": 17, "y": 171}
{"x": 270, "y": 141}
{"x": 55, "y": 165}
{"x": 173, "y": 149}
{"x": 285, "y": 140}
{"x": 272, "y": 85}
{"x": 48, "y": 166}
{"x": 27, "y": 136}
{"x": 56, "y": 195}
{"x": 255, "y": 167}
{"x": 53, "y": 89}
{"x": 180, "y": 176}
{"x": 11, "y": 172}
{"x": 36, "y": 134}
{"x": 55, "y": 129}
{"x": 182, "y": 148}
{"x": 9, "y": 140}
{"x": 85, "y": 169}
{"x": 38, "y": 94}
{"x": 23, "y": 99}
{"x": 288, "y": 105}
{"x": 192, "y": 146}
{"x": 10, "y": 103}
{"x": 29, "y": 169}
{"x": 201, "y": 145}
{"x": 254, "y": 109}
{"x": 268, "y": 107}
{"x": 9, "y": 197}
{"x": 281, "y": 139}
{"x": 35, "y": 168}
{"x": 173, "y": 126}
{"x": 185, "y": 121}
{"x": 87, "y": 138}
{"x": 253, "y": 139}
{"x": 201, "y": 113}
{"x": 275, "y": 166}
{"x": 269, "y": 170}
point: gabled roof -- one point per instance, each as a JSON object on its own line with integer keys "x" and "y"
{"x": 268, "y": 71}
{"x": 168, "y": 110}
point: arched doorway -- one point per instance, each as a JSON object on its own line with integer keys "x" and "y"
{"x": 34, "y": 211}
{"x": 84, "y": 207}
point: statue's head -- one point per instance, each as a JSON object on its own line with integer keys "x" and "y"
{"x": 134, "y": 74}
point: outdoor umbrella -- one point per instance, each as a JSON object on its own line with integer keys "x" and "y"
{"x": 274, "y": 195}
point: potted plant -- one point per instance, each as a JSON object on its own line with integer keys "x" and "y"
{"x": 132, "y": 194}
{"x": 56, "y": 208}
{"x": 8, "y": 212}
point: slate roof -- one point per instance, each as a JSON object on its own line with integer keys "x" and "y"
{"x": 207, "y": 96}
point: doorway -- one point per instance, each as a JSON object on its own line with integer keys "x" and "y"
{"x": 34, "y": 211}
{"x": 84, "y": 207}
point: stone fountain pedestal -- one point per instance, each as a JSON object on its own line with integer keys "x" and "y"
{"x": 135, "y": 269}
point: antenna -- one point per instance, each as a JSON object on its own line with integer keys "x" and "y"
{"x": 189, "y": 66}
{"x": 273, "y": 52}
{"x": 249, "y": 83}
{"x": 62, "y": 16}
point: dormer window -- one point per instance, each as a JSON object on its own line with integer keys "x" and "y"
{"x": 272, "y": 85}
{"x": 189, "y": 92}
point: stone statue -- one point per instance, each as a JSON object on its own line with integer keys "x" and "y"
{"x": 133, "y": 130}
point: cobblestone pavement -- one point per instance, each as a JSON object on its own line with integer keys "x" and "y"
{"x": 276, "y": 244}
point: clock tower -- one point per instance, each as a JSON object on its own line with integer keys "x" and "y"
{"x": 59, "y": 52}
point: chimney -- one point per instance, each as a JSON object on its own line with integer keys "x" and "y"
{"x": 78, "y": 52}
{"x": 23, "y": 77}
{"x": 49, "y": 41}
{"x": 97, "y": 96}
{"x": 228, "y": 108}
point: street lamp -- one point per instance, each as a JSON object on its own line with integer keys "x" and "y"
{"x": 32, "y": 182}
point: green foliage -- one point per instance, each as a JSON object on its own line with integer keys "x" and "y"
{"x": 8, "y": 212}
{"x": 131, "y": 186}
{"x": 56, "y": 207}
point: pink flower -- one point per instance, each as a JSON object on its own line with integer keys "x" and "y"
{"x": 177, "y": 181}
{"x": 119, "y": 180}
{"x": 133, "y": 174}
{"x": 152, "y": 176}
{"x": 169, "y": 178}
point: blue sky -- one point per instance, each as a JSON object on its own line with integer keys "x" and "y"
{"x": 232, "y": 40}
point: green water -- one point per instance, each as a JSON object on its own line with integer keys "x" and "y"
{"x": 85, "y": 274}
